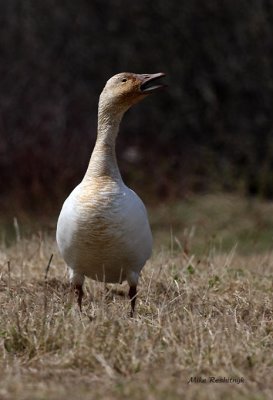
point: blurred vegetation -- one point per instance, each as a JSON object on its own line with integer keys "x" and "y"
{"x": 203, "y": 225}
{"x": 211, "y": 130}
{"x": 197, "y": 226}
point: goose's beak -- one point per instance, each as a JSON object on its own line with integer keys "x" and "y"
{"x": 149, "y": 82}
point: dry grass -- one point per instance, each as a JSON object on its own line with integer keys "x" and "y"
{"x": 197, "y": 316}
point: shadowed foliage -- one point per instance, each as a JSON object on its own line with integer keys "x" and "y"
{"x": 210, "y": 130}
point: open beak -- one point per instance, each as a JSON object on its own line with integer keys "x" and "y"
{"x": 149, "y": 82}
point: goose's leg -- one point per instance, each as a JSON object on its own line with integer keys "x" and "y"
{"x": 79, "y": 292}
{"x": 132, "y": 296}
{"x": 132, "y": 279}
{"x": 77, "y": 281}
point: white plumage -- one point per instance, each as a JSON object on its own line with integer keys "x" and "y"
{"x": 103, "y": 230}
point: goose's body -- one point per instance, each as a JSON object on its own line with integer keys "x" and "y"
{"x": 103, "y": 230}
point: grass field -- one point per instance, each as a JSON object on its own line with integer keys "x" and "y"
{"x": 204, "y": 310}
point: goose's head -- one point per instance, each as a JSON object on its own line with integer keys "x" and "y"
{"x": 126, "y": 89}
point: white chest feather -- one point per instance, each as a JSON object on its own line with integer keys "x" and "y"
{"x": 103, "y": 230}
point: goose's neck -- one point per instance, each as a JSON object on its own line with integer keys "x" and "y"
{"x": 103, "y": 160}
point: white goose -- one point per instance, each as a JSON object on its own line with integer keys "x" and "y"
{"x": 103, "y": 230}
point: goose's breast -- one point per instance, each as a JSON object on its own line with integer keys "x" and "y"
{"x": 105, "y": 233}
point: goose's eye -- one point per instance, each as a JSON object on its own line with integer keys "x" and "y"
{"x": 124, "y": 80}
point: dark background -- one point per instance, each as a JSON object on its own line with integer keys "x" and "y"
{"x": 211, "y": 130}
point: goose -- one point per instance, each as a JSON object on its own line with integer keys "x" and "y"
{"x": 103, "y": 230}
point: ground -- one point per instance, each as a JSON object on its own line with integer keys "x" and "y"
{"x": 204, "y": 313}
